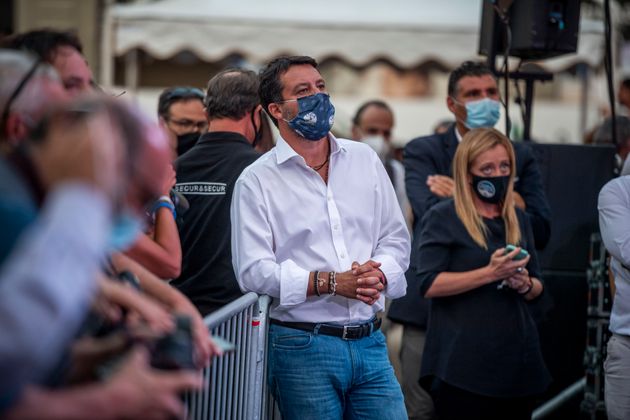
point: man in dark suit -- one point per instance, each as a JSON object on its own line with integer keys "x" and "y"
{"x": 473, "y": 99}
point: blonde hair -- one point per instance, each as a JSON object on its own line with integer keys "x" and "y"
{"x": 473, "y": 144}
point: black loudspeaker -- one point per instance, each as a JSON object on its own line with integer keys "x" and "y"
{"x": 563, "y": 337}
{"x": 539, "y": 28}
{"x": 572, "y": 176}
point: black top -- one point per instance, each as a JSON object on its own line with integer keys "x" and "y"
{"x": 484, "y": 340}
{"x": 206, "y": 175}
{"x": 433, "y": 155}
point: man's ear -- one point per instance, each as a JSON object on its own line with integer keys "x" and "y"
{"x": 15, "y": 129}
{"x": 275, "y": 111}
{"x": 356, "y": 132}
{"x": 451, "y": 105}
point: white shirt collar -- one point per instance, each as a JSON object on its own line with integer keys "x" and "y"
{"x": 459, "y": 136}
{"x": 285, "y": 152}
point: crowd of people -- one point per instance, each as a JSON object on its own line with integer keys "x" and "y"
{"x": 119, "y": 233}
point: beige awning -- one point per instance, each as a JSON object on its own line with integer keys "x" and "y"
{"x": 405, "y": 32}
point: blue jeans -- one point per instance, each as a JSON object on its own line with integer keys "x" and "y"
{"x": 316, "y": 376}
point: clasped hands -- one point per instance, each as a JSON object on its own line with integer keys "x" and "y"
{"x": 363, "y": 282}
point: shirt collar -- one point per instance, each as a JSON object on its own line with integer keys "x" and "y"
{"x": 285, "y": 152}
{"x": 457, "y": 135}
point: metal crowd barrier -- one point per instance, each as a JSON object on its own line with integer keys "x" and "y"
{"x": 235, "y": 383}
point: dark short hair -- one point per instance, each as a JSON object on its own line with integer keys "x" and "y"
{"x": 270, "y": 85}
{"x": 43, "y": 42}
{"x": 625, "y": 83}
{"x": 232, "y": 93}
{"x": 376, "y": 102}
{"x": 603, "y": 134}
{"x": 175, "y": 94}
{"x": 467, "y": 68}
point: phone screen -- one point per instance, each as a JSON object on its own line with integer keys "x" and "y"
{"x": 223, "y": 344}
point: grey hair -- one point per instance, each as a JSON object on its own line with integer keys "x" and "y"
{"x": 14, "y": 65}
{"x": 232, "y": 93}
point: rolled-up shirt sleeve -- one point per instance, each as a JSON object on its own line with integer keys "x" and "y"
{"x": 253, "y": 254}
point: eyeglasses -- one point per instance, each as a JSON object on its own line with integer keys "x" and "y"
{"x": 20, "y": 87}
{"x": 189, "y": 125}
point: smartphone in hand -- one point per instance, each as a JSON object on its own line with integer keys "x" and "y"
{"x": 521, "y": 255}
{"x": 223, "y": 344}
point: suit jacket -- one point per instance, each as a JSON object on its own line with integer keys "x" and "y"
{"x": 433, "y": 155}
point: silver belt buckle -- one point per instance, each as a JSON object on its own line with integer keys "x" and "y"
{"x": 345, "y": 333}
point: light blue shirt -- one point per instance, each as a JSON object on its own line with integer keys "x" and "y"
{"x": 47, "y": 284}
{"x": 614, "y": 223}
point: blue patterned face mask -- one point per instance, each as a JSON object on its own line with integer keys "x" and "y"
{"x": 316, "y": 115}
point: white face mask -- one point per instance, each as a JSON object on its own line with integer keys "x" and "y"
{"x": 378, "y": 144}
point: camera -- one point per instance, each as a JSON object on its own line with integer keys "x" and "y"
{"x": 175, "y": 350}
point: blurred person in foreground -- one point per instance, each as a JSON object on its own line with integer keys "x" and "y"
{"x": 22, "y": 107}
{"x": 60, "y": 49}
{"x": 303, "y": 216}
{"x": 82, "y": 166}
{"x": 28, "y": 89}
{"x": 206, "y": 177}
{"x": 181, "y": 113}
{"x": 482, "y": 358}
{"x": 160, "y": 252}
{"x": 614, "y": 214}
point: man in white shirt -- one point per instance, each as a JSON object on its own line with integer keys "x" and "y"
{"x": 303, "y": 216}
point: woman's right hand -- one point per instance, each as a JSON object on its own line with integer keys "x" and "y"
{"x": 503, "y": 266}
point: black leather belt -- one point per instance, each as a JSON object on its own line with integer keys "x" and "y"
{"x": 347, "y": 332}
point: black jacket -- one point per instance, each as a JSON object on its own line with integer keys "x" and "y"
{"x": 206, "y": 175}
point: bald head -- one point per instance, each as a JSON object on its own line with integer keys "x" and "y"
{"x": 373, "y": 118}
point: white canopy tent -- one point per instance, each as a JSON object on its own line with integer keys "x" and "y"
{"x": 405, "y": 32}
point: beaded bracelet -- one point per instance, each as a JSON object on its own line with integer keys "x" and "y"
{"x": 330, "y": 281}
{"x": 334, "y": 283}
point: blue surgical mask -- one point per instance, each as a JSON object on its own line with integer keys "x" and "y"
{"x": 125, "y": 230}
{"x": 316, "y": 115}
{"x": 482, "y": 113}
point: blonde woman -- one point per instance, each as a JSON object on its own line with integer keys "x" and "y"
{"x": 482, "y": 358}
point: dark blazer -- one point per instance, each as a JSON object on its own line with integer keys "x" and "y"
{"x": 433, "y": 155}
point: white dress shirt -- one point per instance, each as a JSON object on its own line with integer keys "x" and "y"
{"x": 286, "y": 222}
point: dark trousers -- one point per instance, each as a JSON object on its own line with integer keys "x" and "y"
{"x": 452, "y": 403}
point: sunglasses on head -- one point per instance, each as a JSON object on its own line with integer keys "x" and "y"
{"x": 184, "y": 92}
